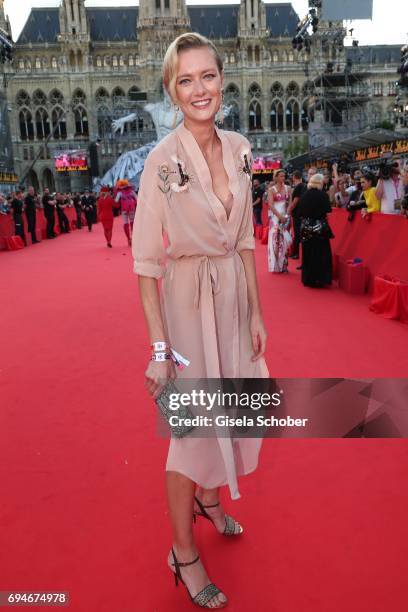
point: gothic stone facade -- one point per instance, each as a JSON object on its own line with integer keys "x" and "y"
{"x": 77, "y": 68}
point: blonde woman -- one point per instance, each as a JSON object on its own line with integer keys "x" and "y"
{"x": 196, "y": 188}
{"x": 314, "y": 207}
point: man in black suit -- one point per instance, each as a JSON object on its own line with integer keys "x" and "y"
{"x": 30, "y": 203}
{"x": 48, "y": 203}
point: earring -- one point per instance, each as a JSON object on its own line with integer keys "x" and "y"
{"x": 176, "y": 110}
{"x": 221, "y": 110}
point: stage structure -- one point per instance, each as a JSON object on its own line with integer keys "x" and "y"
{"x": 337, "y": 105}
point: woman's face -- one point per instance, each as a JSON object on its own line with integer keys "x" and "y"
{"x": 198, "y": 85}
{"x": 365, "y": 183}
{"x": 280, "y": 178}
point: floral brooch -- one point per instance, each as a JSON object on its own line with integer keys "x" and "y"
{"x": 184, "y": 177}
{"x": 244, "y": 165}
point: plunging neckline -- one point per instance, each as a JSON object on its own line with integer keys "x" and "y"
{"x": 204, "y": 175}
{"x": 227, "y": 211}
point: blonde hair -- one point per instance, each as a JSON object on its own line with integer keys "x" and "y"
{"x": 277, "y": 172}
{"x": 315, "y": 181}
{"x": 189, "y": 40}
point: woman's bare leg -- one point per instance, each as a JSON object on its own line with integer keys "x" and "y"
{"x": 208, "y": 497}
{"x": 180, "y": 496}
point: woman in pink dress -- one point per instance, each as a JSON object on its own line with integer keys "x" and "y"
{"x": 196, "y": 189}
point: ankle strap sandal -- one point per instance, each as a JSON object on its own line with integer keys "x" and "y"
{"x": 230, "y": 523}
{"x": 206, "y": 594}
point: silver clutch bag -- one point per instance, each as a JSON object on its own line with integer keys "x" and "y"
{"x": 180, "y": 429}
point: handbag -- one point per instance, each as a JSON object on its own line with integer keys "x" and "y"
{"x": 315, "y": 228}
{"x": 183, "y": 412}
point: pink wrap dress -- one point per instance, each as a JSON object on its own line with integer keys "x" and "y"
{"x": 204, "y": 292}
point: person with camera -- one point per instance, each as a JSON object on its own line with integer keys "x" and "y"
{"x": 372, "y": 203}
{"x": 390, "y": 188}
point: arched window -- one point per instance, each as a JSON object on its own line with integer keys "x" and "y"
{"x": 250, "y": 55}
{"x": 131, "y": 61}
{"x": 118, "y": 93}
{"x": 21, "y": 64}
{"x": 292, "y": 90}
{"x": 106, "y": 60}
{"x": 26, "y": 124}
{"x": 276, "y": 116}
{"x": 59, "y": 125}
{"x": 81, "y": 121}
{"x": 78, "y": 97}
{"x": 48, "y": 180}
{"x": 56, "y": 97}
{"x": 54, "y": 63}
{"x": 38, "y": 63}
{"x": 277, "y": 90}
{"x": 121, "y": 61}
{"x": 257, "y": 55}
{"x": 42, "y": 124}
{"x": 308, "y": 89}
{"x": 104, "y": 117}
{"x": 231, "y": 121}
{"x": 292, "y": 116}
{"x": 102, "y": 95}
{"x": 99, "y": 62}
{"x": 22, "y": 98}
{"x": 275, "y": 57}
{"x": 115, "y": 62}
{"x": 72, "y": 59}
{"x": 232, "y": 58}
{"x": 255, "y": 111}
{"x": 39, "y": 98}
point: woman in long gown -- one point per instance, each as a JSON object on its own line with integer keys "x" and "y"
{"x": 316, "y": 251}
{"x": 279, "y": 238}
{"x": 196, "y": 188}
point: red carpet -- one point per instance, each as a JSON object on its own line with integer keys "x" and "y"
{"x": 82, "y": 471}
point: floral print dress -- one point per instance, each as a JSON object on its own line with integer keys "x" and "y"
{"x": 204, "y": 291}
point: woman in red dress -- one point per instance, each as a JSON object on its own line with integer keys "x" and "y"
{"x": 105, "y": 213}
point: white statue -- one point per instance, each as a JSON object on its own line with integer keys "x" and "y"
{"x": 162, "y": 114}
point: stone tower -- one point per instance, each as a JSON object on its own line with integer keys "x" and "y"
{"x": 160, "y": 22}
{"x": 74, "y": 33}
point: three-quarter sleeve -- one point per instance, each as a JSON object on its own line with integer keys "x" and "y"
{"x": 147, "y": 237}
{"x": 246, "y": 238}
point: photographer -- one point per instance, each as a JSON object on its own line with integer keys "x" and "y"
{"x": 390, "y": 188}
{"x": 357, "y": 201}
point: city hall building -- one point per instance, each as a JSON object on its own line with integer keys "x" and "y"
{"x": 76, "y": 69}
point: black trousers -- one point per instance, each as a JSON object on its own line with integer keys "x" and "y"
{"x": 89, "y": 214}
{"x": 63, "y": 222}
{"x": 297, "y": 221}
{"x": 19, "y": 227}
{"x": 50, "y": 226}
{"x": 258, "y": 214}
{"x": 79, "y": 217}
{"x": 31, "y": 223}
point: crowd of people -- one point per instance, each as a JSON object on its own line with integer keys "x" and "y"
{"x": 89, "y": 209}
{"x": 298, "y": 207}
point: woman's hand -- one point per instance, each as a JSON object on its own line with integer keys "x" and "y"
{"x": 258, "y": 336}
{"x": 157, "y": 375}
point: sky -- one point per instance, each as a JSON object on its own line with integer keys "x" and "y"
{"x": 389, "y": 24}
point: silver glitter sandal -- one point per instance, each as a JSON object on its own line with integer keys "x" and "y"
{"x": 206, "y": 594}
{"x": 229, "y": 529}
